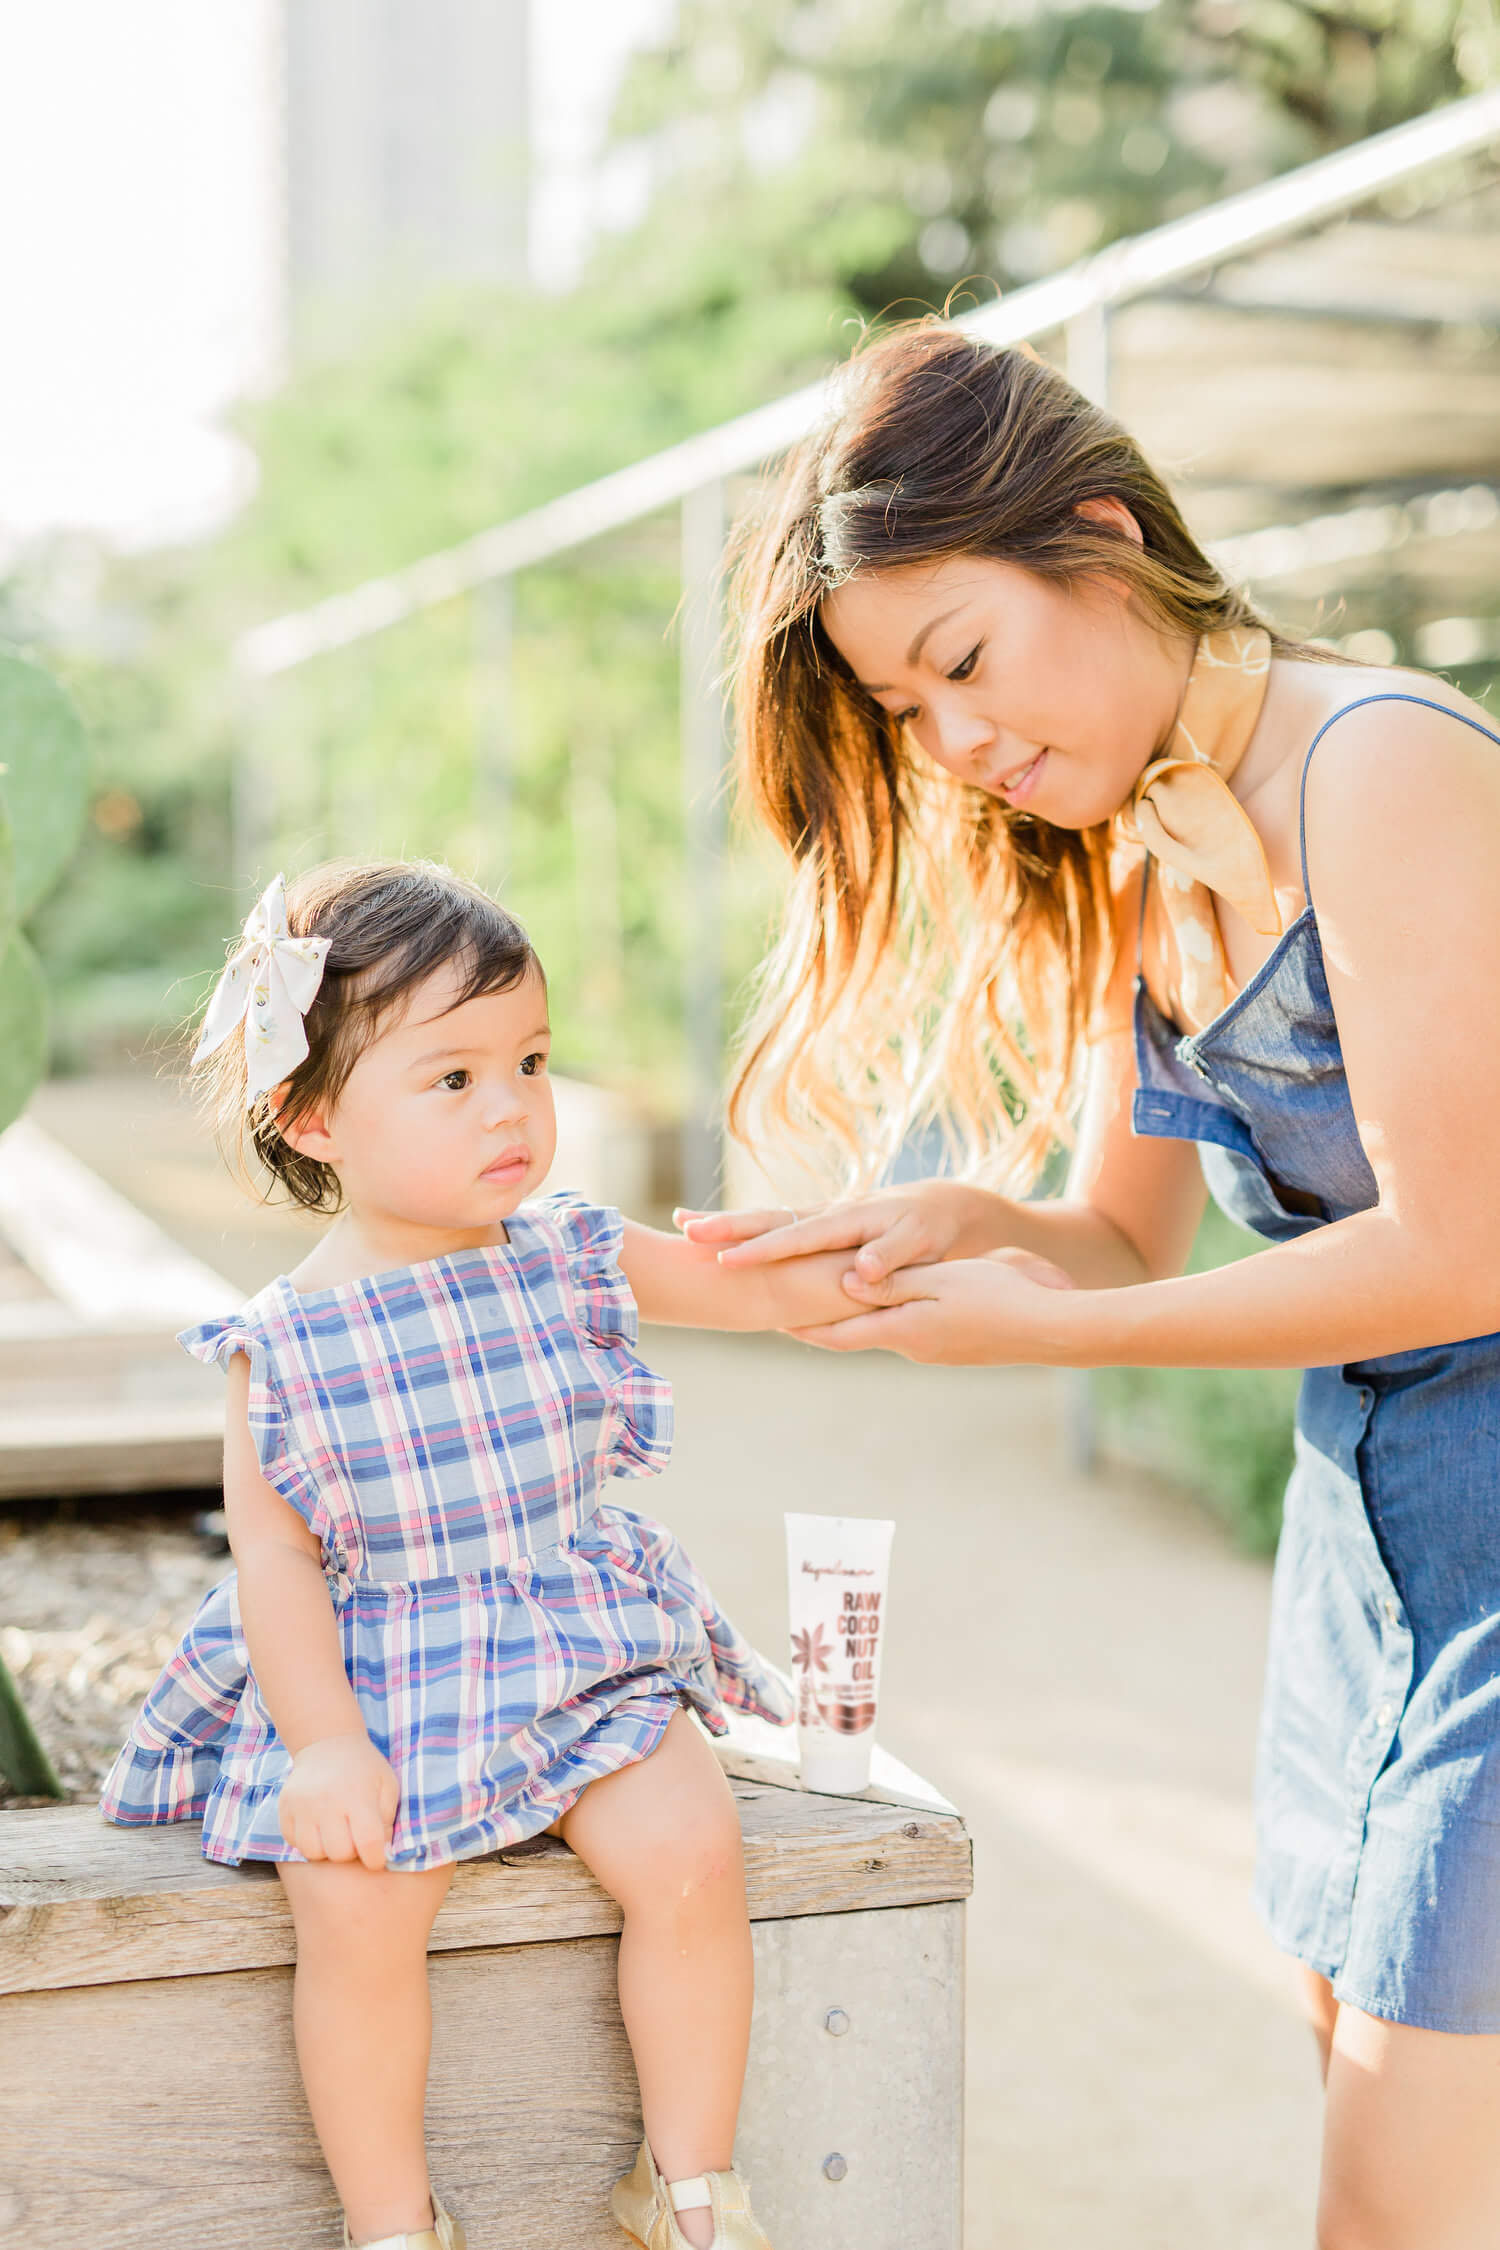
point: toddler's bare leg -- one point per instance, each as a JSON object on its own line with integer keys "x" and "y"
{"x": 663, "y": 1838}
{"x": 363, "y": 2022}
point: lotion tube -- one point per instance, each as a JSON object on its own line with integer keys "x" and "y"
{"x": 838, "y": 1569}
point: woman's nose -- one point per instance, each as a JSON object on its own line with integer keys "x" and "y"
{"x": 961, "y": 734}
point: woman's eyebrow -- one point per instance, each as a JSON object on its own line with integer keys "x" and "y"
{"x": 930, "y": 627}
{"x": 915, "y": 650}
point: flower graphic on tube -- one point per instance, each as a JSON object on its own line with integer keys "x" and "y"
{"x": 810, "y": 1653}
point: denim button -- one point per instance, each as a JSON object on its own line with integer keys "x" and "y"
{"x": 1385, "y": 1714}
{"x": 1392, "y": 1610}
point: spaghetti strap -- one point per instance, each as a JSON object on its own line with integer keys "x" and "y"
{"x": 1423, "y": 703}
{"x": 1140, "y": 921}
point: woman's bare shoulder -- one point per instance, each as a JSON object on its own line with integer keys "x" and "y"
{"x": 1397, "y": 784}
{"x": 1392, "y": 724}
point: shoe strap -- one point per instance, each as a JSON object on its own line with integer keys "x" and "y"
{"x": 691, "y": 2195}
{"x": 417, "y": 2241}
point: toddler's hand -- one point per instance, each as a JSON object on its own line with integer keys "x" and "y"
{"x": 339, "y": 1800}
{"x": 1034, "y": 1268}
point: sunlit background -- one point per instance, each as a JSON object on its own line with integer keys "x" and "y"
{"x": 306, "y": 296}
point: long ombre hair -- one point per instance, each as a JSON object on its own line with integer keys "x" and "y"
{"x": 940, "y": 953}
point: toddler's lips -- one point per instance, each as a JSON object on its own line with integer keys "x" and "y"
{"x": 511, "y": 1165}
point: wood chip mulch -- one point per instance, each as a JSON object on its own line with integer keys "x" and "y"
{"x": 93, "y": 1596}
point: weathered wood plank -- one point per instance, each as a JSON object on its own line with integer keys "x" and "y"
{"x": 167, "y": 2115}
{"x": 84, "y": 1903}
{"x": 94, "y": 1250}
{"x": 153, "y": 1447}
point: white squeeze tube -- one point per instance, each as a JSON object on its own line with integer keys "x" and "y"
{"x": 838, "y": 1569}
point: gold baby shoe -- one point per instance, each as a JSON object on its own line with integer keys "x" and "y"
{"x": 445, "y": 2233}
{"x": 646, "y": 2208}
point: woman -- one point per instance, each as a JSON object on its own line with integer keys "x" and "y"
{"x": 1038, "y": 766}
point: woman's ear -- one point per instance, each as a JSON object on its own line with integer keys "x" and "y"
{"x": 309, "y": 1135}
{"x": 1116, "y": 514}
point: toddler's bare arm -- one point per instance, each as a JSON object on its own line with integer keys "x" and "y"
{"x": 340, "y": 1801}
{"x": 682, "y": 1284}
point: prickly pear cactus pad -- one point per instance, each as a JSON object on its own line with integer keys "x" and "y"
{"x": 43, "y": 798}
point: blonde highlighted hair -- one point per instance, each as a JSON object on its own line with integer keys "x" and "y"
{"x": 940, "y": 954}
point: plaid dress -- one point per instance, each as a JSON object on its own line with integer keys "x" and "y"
{"x": 448, "y": 1431}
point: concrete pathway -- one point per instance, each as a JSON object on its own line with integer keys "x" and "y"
{"x": 1074, "y": 1661}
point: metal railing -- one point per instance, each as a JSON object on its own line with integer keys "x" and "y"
{"x": 692, "y": 476}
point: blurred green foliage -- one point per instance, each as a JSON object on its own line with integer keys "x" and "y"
{"x": 1002, "y": 138}
{"x": 485, "y": 410}
{"x": 1226, "y": 1433}
{"x": 43, "y": 796}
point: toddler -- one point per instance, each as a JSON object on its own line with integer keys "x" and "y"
{"x": 442, "y": 1634}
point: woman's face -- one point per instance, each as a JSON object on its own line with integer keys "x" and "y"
{"x": 1050, "y": 697}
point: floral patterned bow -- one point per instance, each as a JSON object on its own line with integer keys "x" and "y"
{"x": 268, "y": 985}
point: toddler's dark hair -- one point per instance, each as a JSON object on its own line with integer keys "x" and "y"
{"x": 390, "y": 924}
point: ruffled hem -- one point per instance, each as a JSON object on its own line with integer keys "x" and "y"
{"x": 452, "y": 1676}
{"x": 244, "y": 1824}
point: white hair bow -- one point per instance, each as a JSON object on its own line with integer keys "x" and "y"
{"x": 268, "y": 985}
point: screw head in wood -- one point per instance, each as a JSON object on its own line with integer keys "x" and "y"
{"x": 836, "y": 2022}
{"x": 834, "y": 2167}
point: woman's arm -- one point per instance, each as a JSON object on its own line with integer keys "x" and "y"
{"x": 682, "y": 1284}
{"x": 1403, "y": 880}
{"x": 340, "y": 1800}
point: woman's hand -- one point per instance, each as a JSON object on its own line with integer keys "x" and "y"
{"x": 888, "y": 1229}
{"x": 973, "y": 1312}
{"x": 339, "y": 1800}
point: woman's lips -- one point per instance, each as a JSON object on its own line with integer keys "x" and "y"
{"x": 1016, "y": 786}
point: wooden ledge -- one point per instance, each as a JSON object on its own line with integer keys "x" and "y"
{"x": 84, "y": 1903}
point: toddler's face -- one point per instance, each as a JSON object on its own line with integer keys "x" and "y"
{"x": 447, "y": 1118}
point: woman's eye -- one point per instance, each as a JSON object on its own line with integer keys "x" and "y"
{"x": 532, "y": 1066}
{"x": 454, "y": 1080}
{"x": 964, "y": 668}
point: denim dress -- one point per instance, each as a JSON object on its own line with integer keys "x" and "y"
{"x": 1378, "y": 1782}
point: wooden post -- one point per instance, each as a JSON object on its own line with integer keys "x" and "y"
{"x": 494, "y": 720}
{"x": 704, "y": 750}
{"x": 251, "y": 791}
{"x": 1087, "y": 344}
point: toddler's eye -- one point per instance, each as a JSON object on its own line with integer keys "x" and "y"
{"x": 454, "y": 1080}
{"x": 532, "y": 1066}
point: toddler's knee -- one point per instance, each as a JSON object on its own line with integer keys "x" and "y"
{"x": 696, "y": 1860}
{"x": 356, "y": 1913}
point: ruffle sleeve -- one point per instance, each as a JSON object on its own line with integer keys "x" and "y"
{"x": 215, "y": 1343}
{"x": 591, "y": 1235}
